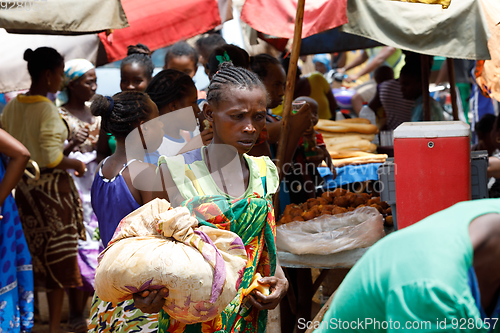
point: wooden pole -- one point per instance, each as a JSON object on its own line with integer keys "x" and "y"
{"x": 290, "y": 87}
{"x": 289, "y": 91}
{"x": 453, "y": 91}
{"x": 424, "y": 65}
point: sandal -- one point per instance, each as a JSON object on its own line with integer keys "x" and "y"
{"x": 77, "y": 325}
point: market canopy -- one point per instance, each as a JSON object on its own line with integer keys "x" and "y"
{"x": 277, "y": 17}
{"x": 159, "y": 23}
{"x": 460, "y": 31}
{"x": 14, "y": 70}
{"x": 62, "y": 17}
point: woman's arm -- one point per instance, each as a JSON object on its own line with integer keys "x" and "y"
{"x": 332, "y": 102}
{"x": 19, "y": 157}
{"x": 72, "y": 163}
{"x": 356, "y": 62}
{"x": 493, "y": 167}
{"x": 378, "y": 60}
{"x": 328, "y": 161}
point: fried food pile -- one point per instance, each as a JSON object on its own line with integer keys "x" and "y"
{"x": 335, "y": 202}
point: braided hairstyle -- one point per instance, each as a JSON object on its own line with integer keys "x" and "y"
{"x": 231, "y": 76}
{"x": 168, "y": 86}
{"x": 42, "y": 59}
{"x": 180, "y": 49}
{"x": 141, "y": 55}
{"x": 237, "y": 56}
{"x": 130, "y": 108}
{"x": 260, "y": 63}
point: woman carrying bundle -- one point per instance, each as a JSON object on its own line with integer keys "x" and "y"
{"x": 241, "y": 196}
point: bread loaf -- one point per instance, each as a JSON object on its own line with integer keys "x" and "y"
{"x": 362, "y": 145}
{"x": 343, "y": 127}
{"x": 326, "y": 134}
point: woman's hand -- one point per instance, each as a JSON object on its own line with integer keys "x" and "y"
{"x": 318, "y": 158}
{"x": 351, "y": 78}
{"x": 81, "y": 135}
{"x": 150, "y": 301}
{"x": 278, "y": 287}
{"x": 80, "y": 168}
{"x": 302, "y": 120}
{"x": 206, "y": 135}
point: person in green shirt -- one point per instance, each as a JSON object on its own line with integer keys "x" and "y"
{"x": 441, "y": 274}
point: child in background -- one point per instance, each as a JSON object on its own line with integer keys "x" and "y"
{"x": 182, "y": 57}
{"x": 136, "y": 71}
{"x": 172, "y": 91}
{"x": 206, "y": 45}
{"x": 114, "y": 196}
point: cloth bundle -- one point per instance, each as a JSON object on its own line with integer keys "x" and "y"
{"x": 157, "y": 246}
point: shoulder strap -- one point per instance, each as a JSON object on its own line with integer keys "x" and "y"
{"x": 126, "y": 165}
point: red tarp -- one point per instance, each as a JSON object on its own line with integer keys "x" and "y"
{"x": 277, "y": 17}
{"x": 158, "y": 23}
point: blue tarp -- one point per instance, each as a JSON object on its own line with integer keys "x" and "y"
{"x": 349, "y": 174}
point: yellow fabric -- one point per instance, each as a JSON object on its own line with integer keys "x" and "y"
{"x": 261, "y": 164}
{"x": 444, "y": 3}
{"x": 319, "y": 89}
{"x": 396, "y": 61}
{"x": 35, "y": 122}
{"x": 190, "y": 174}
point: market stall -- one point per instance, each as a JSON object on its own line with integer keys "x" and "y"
{"x": 362, "y": 164}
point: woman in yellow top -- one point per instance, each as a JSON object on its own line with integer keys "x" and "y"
{"x": 314, "y": 86}
{"x": 49, "y": 208}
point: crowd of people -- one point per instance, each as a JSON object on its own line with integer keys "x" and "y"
{"x": 93, "y": 172}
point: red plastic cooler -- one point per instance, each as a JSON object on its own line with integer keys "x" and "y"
{"x": 432, "y": 168}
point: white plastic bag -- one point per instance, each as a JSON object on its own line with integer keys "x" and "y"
{"x": 156, "y": 246}
{"x": 330, "y": 234}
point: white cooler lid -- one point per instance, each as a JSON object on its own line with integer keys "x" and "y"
{"x": 432, "y": 129}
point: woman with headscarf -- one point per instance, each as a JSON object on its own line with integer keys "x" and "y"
{"x": 78, "y": 87}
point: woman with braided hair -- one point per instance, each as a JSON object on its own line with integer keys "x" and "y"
{"x": 136, "y": 70}
{"x": 114, "y": 196}
{"x": 173, "y": 91}
{"x": 223, "y": 178}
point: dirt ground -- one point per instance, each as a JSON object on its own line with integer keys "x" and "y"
{"x": 42, "y": 319}
{"x": 42, "y": 326}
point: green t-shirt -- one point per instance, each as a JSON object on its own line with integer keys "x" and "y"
{"x": 415, "y": 279}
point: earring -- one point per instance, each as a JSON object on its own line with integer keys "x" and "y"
{"x": 497, "y": 139}
{"x": 48, "y": 82}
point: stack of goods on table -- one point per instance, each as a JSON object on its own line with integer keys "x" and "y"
{"x": 349, "y": 141}
{"x": 335, "y": 202}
